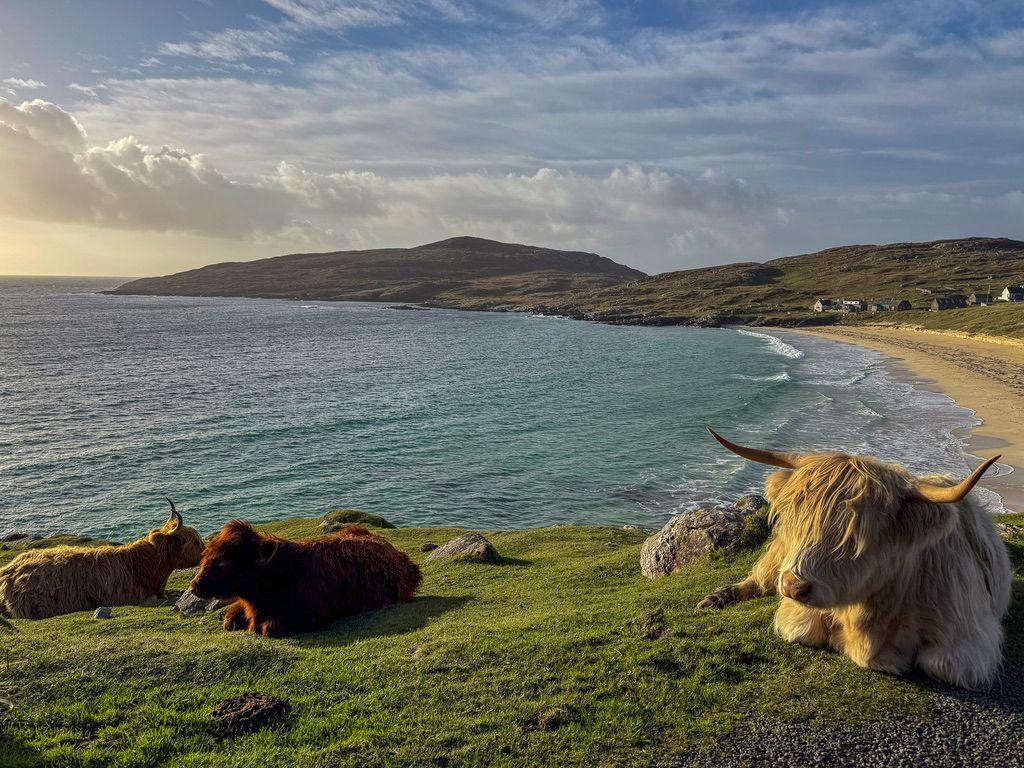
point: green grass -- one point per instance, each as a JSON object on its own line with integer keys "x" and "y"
{"x": 465, "y": 675}
{"x": 1002, "y": 319}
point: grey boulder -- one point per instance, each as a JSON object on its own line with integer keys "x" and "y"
{"x": 692, "y": 534}
{"x": 190, "y": 605}
{"x": 470, "y": 545}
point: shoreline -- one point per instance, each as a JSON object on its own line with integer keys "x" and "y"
{"x": 987, "y": 377}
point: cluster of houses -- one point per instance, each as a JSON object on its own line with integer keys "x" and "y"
{"x": 955, "y": 301}
{"x": 859, "y": 305}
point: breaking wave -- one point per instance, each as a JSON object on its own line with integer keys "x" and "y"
{"x": 776, "y": 344}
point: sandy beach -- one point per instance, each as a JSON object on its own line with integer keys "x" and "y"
{"x": 986, "y": 376}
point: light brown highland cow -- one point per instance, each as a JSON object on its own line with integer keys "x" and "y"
{"x": 49, "y": 582}
{"x": 893, "y": 571}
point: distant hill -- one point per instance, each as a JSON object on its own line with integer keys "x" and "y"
{"x": 781, "y": 291}
{"x": 461, "y": 271}
{"x": 473, "y": 273}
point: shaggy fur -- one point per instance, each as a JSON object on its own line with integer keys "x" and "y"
{"x": 891, "y": 581}
{"x": 50, "y": 582}
{"x": 286, "y": 587}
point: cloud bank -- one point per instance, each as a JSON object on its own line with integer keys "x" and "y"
{"x": 50, "y": 171}
{"x": 708, "y": 133}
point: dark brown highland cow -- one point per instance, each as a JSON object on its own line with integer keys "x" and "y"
{"x": 286, "y": 587}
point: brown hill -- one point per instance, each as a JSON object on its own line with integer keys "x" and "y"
{"x": 782, "y": 290}
{"x": 464, "y": 271}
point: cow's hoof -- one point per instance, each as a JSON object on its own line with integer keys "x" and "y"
{"x": 718, "y": 599}
{"x": 235, "y": 619}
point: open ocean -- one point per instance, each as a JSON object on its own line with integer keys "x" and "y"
{"x": 263, "y": 409}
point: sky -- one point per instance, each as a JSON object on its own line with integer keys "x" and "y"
{"x": 144, "y": 138}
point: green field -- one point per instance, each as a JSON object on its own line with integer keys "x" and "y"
{"x": 1001, "y": 319}
{"x": 540, "y": 659}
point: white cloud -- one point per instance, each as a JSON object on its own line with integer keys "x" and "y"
{"x": 824, "y": 129}
{"x": 20, "y": 83}
{"x": 86, "y": 90}
{"x": 49, "y": 170}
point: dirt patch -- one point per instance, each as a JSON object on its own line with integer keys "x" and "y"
{"x": 248, "y": 713}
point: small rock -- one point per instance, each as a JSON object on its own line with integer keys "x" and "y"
{"x": 750, "y": 503}
{"x": 469, "y": 545}
{"x": 630, "y": 527}
{"x": 1009, "y": 530}
{"x": 248, "y": 713}
{"x": 689, "y": 536}
{"x": 190, "y": 605}
{"x": 103, "y": 612}
{"x": 428, "y": 547}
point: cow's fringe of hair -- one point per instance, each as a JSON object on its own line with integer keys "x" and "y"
{"x": 828, "y": 490}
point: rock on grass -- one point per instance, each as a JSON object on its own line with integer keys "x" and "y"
{"x": 248, "y": 713}
{"x": 337, "y": 519}
{"x": 190, "y": 605}
{"x": 692, "y": 534}
{"x": 471, "y": 546}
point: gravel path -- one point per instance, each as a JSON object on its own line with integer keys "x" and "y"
{"x": 966, "y": 729}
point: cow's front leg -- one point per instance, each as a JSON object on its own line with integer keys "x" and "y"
{"x": 797, "y": 623}
{"x": 731, "y": 594}
{"x": 882, "y": 646}
{"x": 272, "y": 628}
{"x": 235, "y": 617}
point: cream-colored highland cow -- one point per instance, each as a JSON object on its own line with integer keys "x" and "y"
{"x": 58, "y": 580}
{"x": 893, "y": 571}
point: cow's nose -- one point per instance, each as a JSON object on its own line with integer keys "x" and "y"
{"x": 794, "y": 587}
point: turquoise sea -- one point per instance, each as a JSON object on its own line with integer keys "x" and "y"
{"x": 263, "y": 409}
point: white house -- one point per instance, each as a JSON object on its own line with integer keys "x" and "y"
{"x": 1012, "y": 293}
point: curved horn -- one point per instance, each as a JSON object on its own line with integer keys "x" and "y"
{"x": 175, "y": 516}
{"x": 951, "y": 494}
{"x": 774, "y": 458}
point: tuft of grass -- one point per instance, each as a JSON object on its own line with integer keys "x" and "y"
{"x": 547, "y": 658}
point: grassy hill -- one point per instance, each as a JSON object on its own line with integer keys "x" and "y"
{"x": 468, "y": 271}
{"x": 472, "y": 273}
{"x": 547, "y": 658}
{"x": 781, "y": 291}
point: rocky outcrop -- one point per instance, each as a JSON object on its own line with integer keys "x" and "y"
{"x": 472, "y": 546}
{"x": 750, "y": 503}
{"x": 692, "y": 534}
{"x": 337, "y": 519}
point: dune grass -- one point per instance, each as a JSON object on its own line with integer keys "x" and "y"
{"x": 1000, "y": 319}
{"x": 548, "y": 658}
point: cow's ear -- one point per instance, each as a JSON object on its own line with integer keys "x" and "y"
{"x": 268, "y": 551}
{"x": 924, "y": 522}
{"x": 774, "y": 484}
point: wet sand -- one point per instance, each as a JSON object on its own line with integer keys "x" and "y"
{"x": 985, "y": 376}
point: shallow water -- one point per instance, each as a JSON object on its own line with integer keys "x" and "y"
{"x": 265, "y": 409}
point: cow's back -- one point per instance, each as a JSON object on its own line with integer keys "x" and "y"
{"x": 50, "y": 582}
{"x": 366, "y": 572}
{"x": 964, "y": 590}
